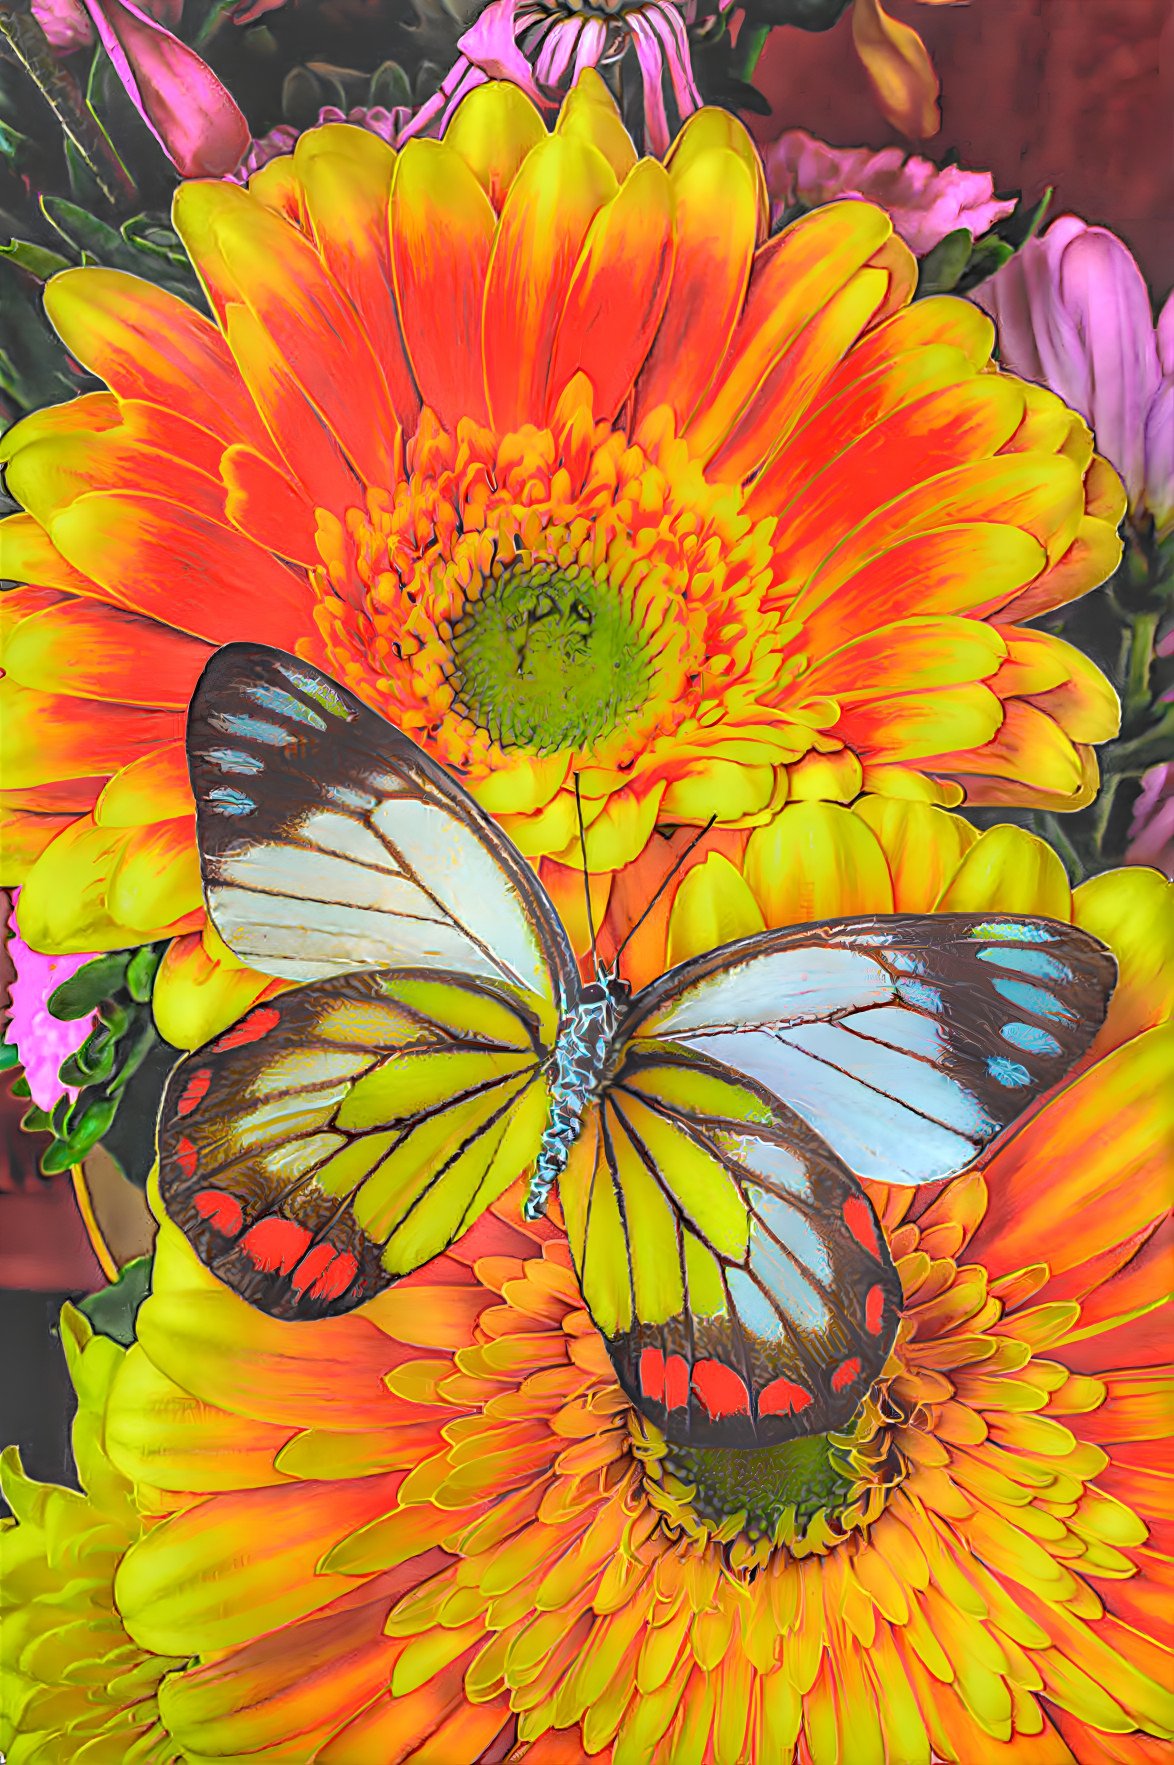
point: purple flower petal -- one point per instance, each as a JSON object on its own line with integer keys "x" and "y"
{"x": 925, "y": 202}
{"x": 66, "y": 23}
{"x": 1159, "y": 458}
{"x": 41, "y": 1040}
{"x": 490, "y": 45}
{"x": 193, "y": 117}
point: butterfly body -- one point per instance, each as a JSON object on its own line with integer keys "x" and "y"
{"x": 707, "y": 1135}
{"x": 583, "y": 1059}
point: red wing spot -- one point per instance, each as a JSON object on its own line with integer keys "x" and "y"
{"x": 220, "y": 1210}
{"x": 652, "y": 1375}
{"x": 782, "y": 1398}
{"x": 336, "y": 1277}
{"x": 859, "y": 1221}
{"x": 874, "y": 1310}
{"x": 845, "y": 1374}
{"x": 722, "y": 1391}
{"x": 186, "y": 1157}
{"x": 275, "y": 1245}
{"x": 676, "y": 1382}
{"x": 194, "y": 1091}
{"x": 250, "y": 1029}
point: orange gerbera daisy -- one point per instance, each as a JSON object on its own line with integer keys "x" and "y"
{"x": 436, "y": 1530}
{"x": 572, "y": 471}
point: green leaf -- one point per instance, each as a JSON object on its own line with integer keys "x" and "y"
{"x": 145, "y": 233}
{"x": 113, "y": 1310}
{"x": 20, "y": 1087}
{"x": 35, "y": 1121}
{"x": 34, "y": 258}
{"x": 941, "y": 268}
{"x": 9, "y": 1055}
{"x": 82, "y": 1137}
{"x": 141, "y": 971}
{"x": 84, "y": 991}
{"x": 34, "y": 367}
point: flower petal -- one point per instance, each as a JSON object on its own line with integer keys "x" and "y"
{"x": 94, "y": 651}
{"x": 902, "y": 75}
{"x": 816, "y": 861}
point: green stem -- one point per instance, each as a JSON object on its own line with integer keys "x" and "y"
{"x": 1141, "y": 655}
{"x": 751, "y": 44}
{"x": 1049, "y": 828}
{"x": 1104, "y": 808}
{"x": 1143, "y": 750}
{"x": 65, "y": 98}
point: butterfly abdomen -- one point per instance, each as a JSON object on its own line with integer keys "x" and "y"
{"x": 582, "y": 1062}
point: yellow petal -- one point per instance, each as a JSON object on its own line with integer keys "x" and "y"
{"x": 1133, "y": 912}
{"x": 1008, "y": 870}
{"x": 817, "y": 861}
{"x": 714, "y": 906}
{"x": 923, "y": 845}
{"x": 589, "y": 114}
{"x": 718, "y": 787}
{"x": 197, "y": 994}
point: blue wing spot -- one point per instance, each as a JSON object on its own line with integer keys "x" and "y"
{"x": 251, "y": 729}
{"x": 1008, "y": 1072}
{"x": 274, "y": 698}
{"x": 1033, "y": 999}
{"x": 230, "y": 802}
{"x": 234, "y": 760}
{"x": 320, "y": 691}
{"x": 1036, "y": 962}
{"x": 754, "y": 1309}
{"x": 917, "y": 994}
{"x": 346, "y": 798}
{"x": 1029, "y": 1038}
{"x": 1022, "y": 932}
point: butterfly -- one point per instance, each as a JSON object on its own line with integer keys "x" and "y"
{"x": 706, "y": 1136}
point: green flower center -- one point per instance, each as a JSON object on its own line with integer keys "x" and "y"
{"x": 764, "y": 1482}
{"x": 547, "y": 658}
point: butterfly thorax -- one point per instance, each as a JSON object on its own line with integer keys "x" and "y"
{"x": 580, "y": 1067}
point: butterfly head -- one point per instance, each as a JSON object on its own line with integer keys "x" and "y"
{"x": 608, "y": 987}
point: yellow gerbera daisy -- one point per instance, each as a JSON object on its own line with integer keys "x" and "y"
{"x": 436, "y": 1530}
{"x": 569, "y": 471}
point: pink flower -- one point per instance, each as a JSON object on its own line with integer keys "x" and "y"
{"x": 389, "y": 125}
{"x": 1074, "y": 314}
{"x": 1151, "y": 835}
{"x": 194, "y": 118}
{"x": 543, "y": 48}
{"x": 41, "y": 1040}
{"x": 925, "y": 202}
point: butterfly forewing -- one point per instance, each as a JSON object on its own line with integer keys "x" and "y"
{"x": 344, "y": 1133}
{"x": 733, "y": 1263}
{"x": 329, "y": 842}
{"x": 908, "y": 1043}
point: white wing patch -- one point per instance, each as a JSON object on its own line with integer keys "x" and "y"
{"x": 785, "y": 987}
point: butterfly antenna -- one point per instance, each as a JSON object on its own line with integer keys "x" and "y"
{"x": 586, "y": 878}
{"x": 696, "y": 840}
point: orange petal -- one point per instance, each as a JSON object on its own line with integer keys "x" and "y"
{"x": 902, "y": 74}
{"x": 909, "y": 727}
{"x": 198, "y": 992}
{"x": 1030, "y": 752}
{"x": 24, "y": 835}
{"x": 716, "y": 202}
{"x": 792, "y": 278}
{"x": 617, "y": 293}
{"x": 912, "y": 653}
{"x": 155, "y": 879}
{"x": 1090, "y": 559}
{"x": 242, "y": 1563}
{"x": 269, "y": 506}
{"x": 1095, "y": 1156}
{"x": 90, "y": 650}
{"x": 47, "y": 476}
{"x": 1123, "y": 1321}
{"x": 246, "y": 253}
{"x": 46, "y": 736}
{"x": 28, "y": 555}
{"x": 309, "y": 450}
{"x": 1038, "y": 493}
{"x": 442, "y": 228}
{"x": 346, "y": 175}
{"x": 205, "y": 579}
{"x": 148, "y": 344}
{"x": 941, "y": 571}
{"x": 945, "y": 430}
{"x": 560, "y": 187}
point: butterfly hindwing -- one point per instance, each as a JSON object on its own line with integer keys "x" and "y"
{"x": 329, "y": 842}
{"x": 343, "y": 1133}
{"x": 907, "y": 1042}
{"x": 733, "y": 1263}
